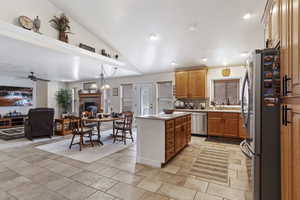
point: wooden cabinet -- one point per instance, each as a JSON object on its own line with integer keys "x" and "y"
{"x": 191, "y": 84}
{"x": 294, "y": 72}
{"x": 290, "y": 78}
{"x": 223, "y": 124}
{"x": 215, "y": 125}
{"x": 170, "y": 142}
{"x": 182, "y": 81}
{"x": 231, "y": 125}
{"x": 242, "y": 129}
{"x": 272, "y": 23}
{"x": 289, "y": 47}
{"x": 178, "y": 135}
{"x": 177, "y": 139}
{"x": 189, "y": 129}
{"x": 290, "y": 153}
{"x": 197, "y": 84}
{"x": 274, "y": 18}
{"x": 296, "y": 152}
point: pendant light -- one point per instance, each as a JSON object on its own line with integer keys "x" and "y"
{"x": 103, "y": 84}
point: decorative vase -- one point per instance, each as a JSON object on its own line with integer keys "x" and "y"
{"x": 63, "y": 36}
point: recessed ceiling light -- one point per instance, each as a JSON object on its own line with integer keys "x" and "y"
{"x": 193, "y": 27}
{"x": 173, "y": 63}
{"x": 247, "y": 16}
{"x": 204, "y": 59}
{"x": 153, "y": 37}
{"x": 244, "y": 54}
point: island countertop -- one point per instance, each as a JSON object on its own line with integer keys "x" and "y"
{"x": 164, "y": 116}
{"x": 208, "y": 110}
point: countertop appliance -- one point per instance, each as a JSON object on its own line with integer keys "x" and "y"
{"x": 199, "y": 123}
{"x": 261, "y": 113}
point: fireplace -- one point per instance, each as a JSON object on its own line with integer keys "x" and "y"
{"x": 88, "y": 100}
{"x": 87, "y": 106}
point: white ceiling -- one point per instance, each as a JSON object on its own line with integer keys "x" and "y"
{"x": 221, "y": 34}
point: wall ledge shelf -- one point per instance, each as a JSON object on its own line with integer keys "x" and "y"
{"x": 22, "y": 35}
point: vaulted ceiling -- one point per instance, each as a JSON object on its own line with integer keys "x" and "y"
{"x": 160, "y": 35}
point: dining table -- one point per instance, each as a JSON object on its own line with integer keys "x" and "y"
{"x": 101, "y": 120}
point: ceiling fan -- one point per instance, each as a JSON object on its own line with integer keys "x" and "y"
{"x": 32, "y": 77}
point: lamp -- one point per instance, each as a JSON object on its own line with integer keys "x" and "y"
{"x": 103, "y": 84}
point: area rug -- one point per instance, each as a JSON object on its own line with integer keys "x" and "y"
{"x": 212, "y": 164}
{"x": 88, "y": 154}
{"x": 12, "y": 133}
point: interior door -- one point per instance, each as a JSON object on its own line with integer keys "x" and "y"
{"x": 147, "y": 99}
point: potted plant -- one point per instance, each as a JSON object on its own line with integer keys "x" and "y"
{"x": 64, "y": 99}
{"x": 62, "y": 24}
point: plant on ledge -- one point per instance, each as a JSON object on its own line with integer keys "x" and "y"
{"x": 62, "y": 24}
{"x": 64, "y": 99}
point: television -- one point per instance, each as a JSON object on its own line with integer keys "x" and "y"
{"x": 16, "y": 96}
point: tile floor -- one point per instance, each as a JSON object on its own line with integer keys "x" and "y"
{"x": 27, "y": 173}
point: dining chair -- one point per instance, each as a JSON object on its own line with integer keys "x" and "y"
{"x": 124, "y": 127}
{"x": 78, "y": 129}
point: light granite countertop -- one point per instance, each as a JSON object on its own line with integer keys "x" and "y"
{"x": 164, "y": 116}
{"x": 208, "y": 110}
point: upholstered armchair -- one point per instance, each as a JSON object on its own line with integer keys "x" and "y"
{"x": 39, "y": 123}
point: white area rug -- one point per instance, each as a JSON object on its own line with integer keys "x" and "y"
{"x": 88, "y": 154}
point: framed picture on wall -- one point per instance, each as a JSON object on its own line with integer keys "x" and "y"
{"x": 115, "y": 92}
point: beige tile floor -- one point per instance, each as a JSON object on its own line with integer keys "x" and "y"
{"x": 27, "y": 173}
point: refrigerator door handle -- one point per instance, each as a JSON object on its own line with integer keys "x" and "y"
{"x": 283, "y": 115}
{"x": 286, "y": 109}
{"x": 247, "y": 153}
{"x": 283, "y": 86}
{"x": 243, "y": 99}
{"x": 286, "y": 85}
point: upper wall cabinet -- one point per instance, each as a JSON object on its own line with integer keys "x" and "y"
{"x": 289, "y": 47}
{"x": 274, "y": 17}
{"x": 191, "y": 84}
{"x": 182, "y": 81}
{"x": 272, "y": 23}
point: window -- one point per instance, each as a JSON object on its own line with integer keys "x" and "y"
{"x": 226, "y": 92}
{"x": 164, "y": 95}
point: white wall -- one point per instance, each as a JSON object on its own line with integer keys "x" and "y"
{"x": 116, "y": 83}
{"x": 18, "y": 82}
{"x": 12, "y": 9}
{"x": 53, "y": 87}
{"x": 216, "y": 74}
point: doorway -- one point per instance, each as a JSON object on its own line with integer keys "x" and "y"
{"x": 146, "y": 99}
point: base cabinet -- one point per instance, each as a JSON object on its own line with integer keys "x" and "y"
{"x": 242, "y": 129}
{"x": 178, "y": 135}
{"x": 223, "y": 124}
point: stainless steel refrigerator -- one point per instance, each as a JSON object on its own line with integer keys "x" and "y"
{"x": 261, "y": 114}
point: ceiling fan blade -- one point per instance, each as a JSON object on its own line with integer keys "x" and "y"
{"x": 40, "y": 79}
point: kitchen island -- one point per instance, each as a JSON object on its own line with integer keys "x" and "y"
{"x": 161, "y": 137}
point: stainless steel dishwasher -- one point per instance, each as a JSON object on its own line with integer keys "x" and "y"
{"x": 199, "y": 123}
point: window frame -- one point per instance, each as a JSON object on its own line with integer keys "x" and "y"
{"x": 212, "y": 92}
